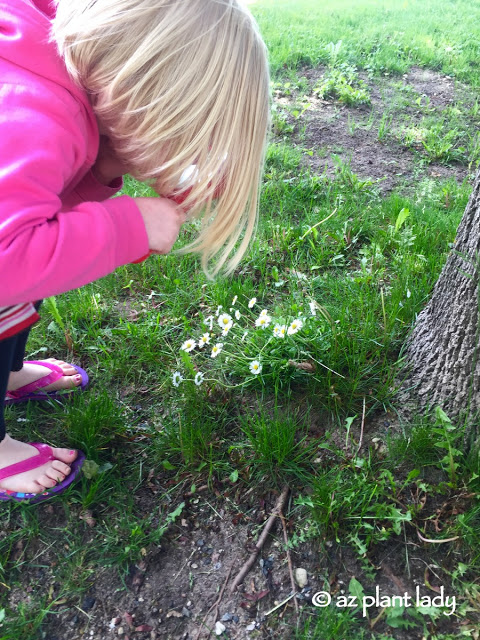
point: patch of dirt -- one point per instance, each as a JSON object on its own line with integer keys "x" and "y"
{"x": 439, "y": 89}
{"x": 350, "y": 135}
{"x": 168, "y": 595}
{"x": 171, "y": 591}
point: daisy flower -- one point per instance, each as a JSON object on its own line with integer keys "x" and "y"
{"x": 263, "y": 321}
{"x": 225, "y": 321}
{"x": 205, "y": 339}
{"x": 199, "y": 378}
{"x": 280, "y": 330}
{"x": 234, "y": 300}
{"x": 252, "y": 302}
{"x": 238, "y": 315}
{"x": 295, "y": 326}
{"x": 313, "y": 308}
{"x": 255, "y": 367}
{"x": 244, "y": 335}
{"x": 177, "y": 378}
{"x": 263, "y": 312}
{"x": 216, "y": 349}
{"x": 188, "y": 345}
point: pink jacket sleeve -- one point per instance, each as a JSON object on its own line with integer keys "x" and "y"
{"x": 46, "y": 249}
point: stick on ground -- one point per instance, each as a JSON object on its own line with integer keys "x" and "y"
{"x": 289, "y": 561}
{"x": 261, "y": 541}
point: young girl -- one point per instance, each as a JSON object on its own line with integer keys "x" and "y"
{"x": 91, "y": 90}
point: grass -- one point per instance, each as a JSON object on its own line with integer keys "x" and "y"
{"x": 354, "y": 265}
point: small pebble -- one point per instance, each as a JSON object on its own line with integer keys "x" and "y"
{"x": 301, "y": 577}
{"x": 219, "y": 628}
{"x": 186, "y": 612}
{"x": 226, "y": 617}
{"x": 194, "y": 565}
{"x": 88, "y": 603}
{"x": 120, "y": 631}
{"x": 200, "y": 543}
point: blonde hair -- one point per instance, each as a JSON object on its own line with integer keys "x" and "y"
{"x": 176, "y": 83}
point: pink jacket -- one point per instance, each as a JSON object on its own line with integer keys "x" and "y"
{"x": 59, "y": 228}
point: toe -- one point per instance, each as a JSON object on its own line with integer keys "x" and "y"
{"x": 60, "y": 467}
{"x": 45, "y": 481}
{"x": 66, "y": 367}
{"x": 65, "y": 455}
{"x": 54, "y": 474}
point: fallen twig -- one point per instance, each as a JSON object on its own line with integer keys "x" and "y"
{"x": 184, "y": 565}
{"x": 289, "y": 561}
{"x": 436, "y": 541}
{"x": 362, "y": 426}
{"x": 215, "y": 605}
{"x": 279, "y": 605}
{"x": 191, "y": 494}
{"x": 261, "y": 541}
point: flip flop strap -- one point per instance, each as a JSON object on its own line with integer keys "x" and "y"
{"x": 55, "y": 374}
{"x": 45, "y": 454}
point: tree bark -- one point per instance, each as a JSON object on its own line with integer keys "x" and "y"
{"x": 442, "y": 351}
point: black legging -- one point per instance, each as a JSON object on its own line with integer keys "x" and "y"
{"x": 12, "y": 354}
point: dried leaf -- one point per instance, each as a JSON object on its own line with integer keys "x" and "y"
{"x": 174, "y": 614}
{"x": 303, "y": 366}
{"x": 254, "y": 597}
{"x": 128, "y": 619}
{"x": 87, "y": 517}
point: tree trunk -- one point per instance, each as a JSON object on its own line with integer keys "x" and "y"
{"x": 442, "y": 351}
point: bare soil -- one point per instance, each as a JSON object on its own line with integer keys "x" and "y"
{"x": 335, "y": 132}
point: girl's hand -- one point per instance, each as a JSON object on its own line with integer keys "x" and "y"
{"x": 163, "y": 220}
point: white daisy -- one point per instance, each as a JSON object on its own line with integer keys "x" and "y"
{"x": 252, "y": 302}
{"x": 199, "y": 378}
{"x": 205, "y": 339}
{"x": 295, "y": 326}
{"x": 188, "y": 345}
{"x": 234, "y": 300}
{"x": 225, "y": 321}
{"x": 280, "y": 330}
{"x": 177, "y": 378}
{"x": 263, "y": 312}
{"x": 216, "y": 349}
{"x": 255, "y": 367}
{"x": 225, "y": 332}
{"x": 238, "y": 315}
{"x": 263, "y": 321}
{"x": 244, "y": 335}
{"x": 313, "y": 308}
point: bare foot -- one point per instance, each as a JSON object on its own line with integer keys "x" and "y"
{"x": 37, "y": 480}
{"x": 32, "y": 372}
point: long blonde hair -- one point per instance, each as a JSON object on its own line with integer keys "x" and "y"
{"x": 176, "y": 83}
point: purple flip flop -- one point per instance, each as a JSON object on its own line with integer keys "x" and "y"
{"x": 29, "y": 391}
{"x": 45, "y": 454}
